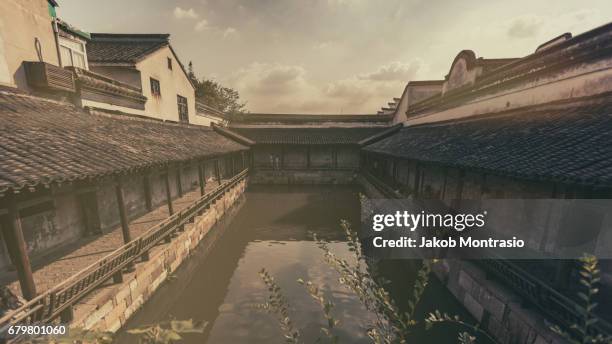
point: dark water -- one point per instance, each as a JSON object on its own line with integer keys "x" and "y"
{"x": 271, "y": 230}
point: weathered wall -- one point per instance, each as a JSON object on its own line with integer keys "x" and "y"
{"x": 110, "y": 309}
{"x": 172, "y": 83}
{"x": 302, "y": 177}
{"x": 21, "y": 22}
{"x": 575, "y": 82}
{"x": 130, "y": 76}
{"x": 60, "y": 221}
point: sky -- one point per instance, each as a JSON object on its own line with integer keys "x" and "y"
{"x": 335, "y": 56}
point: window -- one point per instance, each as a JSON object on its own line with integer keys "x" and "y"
{"x": 155, "y": 88}
{"x": 183, "y": 110}
{"x": 72, "y": 53}
{"x": 169, "y": 63}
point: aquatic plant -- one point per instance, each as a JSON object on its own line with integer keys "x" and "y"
{"x": 581, "y": 333}
{"x": 167, "y": 332}
{"x": 277, "y": 304}
{"x": 358, "y": 275}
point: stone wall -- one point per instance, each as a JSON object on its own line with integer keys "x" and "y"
{"x": 304, "y": 157}
{"x": 110, "y": 307}
{"x": 496, "y": 308}
{"x": 303, "y": 177}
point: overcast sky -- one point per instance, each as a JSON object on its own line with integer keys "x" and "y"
{"x": 335, "y": 56}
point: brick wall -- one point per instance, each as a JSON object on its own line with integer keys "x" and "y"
{"x": 109, "y": 308}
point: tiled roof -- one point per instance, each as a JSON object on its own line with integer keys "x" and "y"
{"x": 44, "y": 141}
{"x": 303, "y": 118}
{"x": 561, "y": 143}
{"x": 313, "y": 136}
{"x": 123, "y": 48}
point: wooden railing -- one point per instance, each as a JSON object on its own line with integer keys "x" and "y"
{"x": 552, "y": 304}
{"x": 51, "y": 305}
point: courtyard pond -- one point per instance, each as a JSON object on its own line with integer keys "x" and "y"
{"x": 272, "y": 229}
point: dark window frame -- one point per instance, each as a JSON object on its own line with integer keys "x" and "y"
{"x": 183, "y": 108}
{"x": 155, "y": 87}
{"x": 169, "y": 63}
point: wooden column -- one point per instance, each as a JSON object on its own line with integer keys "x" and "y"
{"x": 308, "y": 157}
{"x": 444, "y": 184}
{"x": 335, "y": 157}
{"x": 16, "y": 245}
{"x": 417, "y": 181}
{"x": 168, "y": 192}
{"x": 218, "y": 171}
{"x": 233, "y": 165}
{"x": 282, "y": 158}
{"x": 147, "y": 192}
{"x": 242, "y": 156}
{"x": 201, "y": 179}
{"x": 179, "y": 184}
{"x": 125, "y": 229}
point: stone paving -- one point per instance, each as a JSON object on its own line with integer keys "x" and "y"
{"x": 79, "y": 255}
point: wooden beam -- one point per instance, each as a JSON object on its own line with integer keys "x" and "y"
{"x": 233, "y": 165}
{"x": 18, "y": 251}
{"x": 335, "y": 157}
{"x": 147, "y": 192}
{"x": 218, "y": 171}
{"x": 168, "y": 192}
{"x": 201, "y": 179}
{"x": 125, "y": 228}
{"x": 179, "y": 184}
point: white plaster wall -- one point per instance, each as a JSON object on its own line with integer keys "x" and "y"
{"x": 172, "y": 82}
{"x": 581, "y": 81}
{"x": 200, "y": 119}
{"x": 21, "y": 22}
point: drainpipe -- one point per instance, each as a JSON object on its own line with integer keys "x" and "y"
{"x": 57, "y": 45}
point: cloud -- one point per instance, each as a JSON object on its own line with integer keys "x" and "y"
{"x": 201, "y": 25}
{"x": 288, "y": 88}
{"x": 270, "y": 79}
{"x": 525, "y": 26}
{"x": 395, "y": 71}
{"x": 544, "y": 27}
{"x": 230, "y": 32}
{"x": 323, "y": 45}
{"x": 180, "y": 13}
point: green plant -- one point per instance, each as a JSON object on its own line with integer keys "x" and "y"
{"x": 167, "y": 332}
{"x": 589, "y": 279}
{"x": 277, "y": 304}
{"x": 326, "y": 306}
{"x": 437, "y": 317}
{"x": 77, "y": 336}
{"x": 390, "y": 326}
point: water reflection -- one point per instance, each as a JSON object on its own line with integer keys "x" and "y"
{"x": 271, "y": 230}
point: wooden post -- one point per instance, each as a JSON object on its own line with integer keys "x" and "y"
{"x": 147, "y": 192}
{"x": 242, "y": 156}
{"x": 417, "y": 181}
{"x": 308, "y": 157}
{"x": 282, "y": 158}
{"x": 16, "y": 245}
{"x": 168, "y": 192}
{"x": 125, "y": 227}
{"x": 218, "y": 171}
{"x": 179, "y": 184}
{"x": 201, "y": 179}
{"x": 233, "y": 165}
{"x": 335, "y": 156}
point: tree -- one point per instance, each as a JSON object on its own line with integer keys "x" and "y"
{"x": 216, "y": 95}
